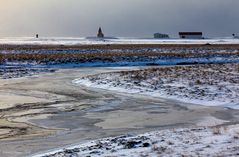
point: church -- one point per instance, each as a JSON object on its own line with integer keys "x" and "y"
{"x": 100, "y": 33}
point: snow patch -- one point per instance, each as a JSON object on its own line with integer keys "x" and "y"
{"x": 210, "y": 85}
{"x": 214, "y": 141}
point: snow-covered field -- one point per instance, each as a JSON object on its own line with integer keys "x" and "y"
{"x": 213, "y": 141}
{"x": 119, "y": 56}
{"x": 53, "y": 52}
{"x": 212, "y": 85}
{"x": 89, "y": 41}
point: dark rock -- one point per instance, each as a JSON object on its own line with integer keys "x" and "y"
{"x": 132, "y": 144}
{"x": 68, "y": 151}
{"x": 76, "y": 149}
{"x": 112, "y": 151}
{"x": 146, "y": 144}
{"x": 207, "y": 44}
{"x": 95, "y": 152}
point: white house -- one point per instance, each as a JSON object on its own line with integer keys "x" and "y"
{"x": 191, "y": 35}
{"x": 159, "y": 35}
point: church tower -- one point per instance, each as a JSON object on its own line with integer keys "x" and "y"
{"x": 100, "y": 33}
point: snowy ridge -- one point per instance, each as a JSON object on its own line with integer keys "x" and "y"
{"x": 215, "y": 141}
{"x": 210, "y": 85}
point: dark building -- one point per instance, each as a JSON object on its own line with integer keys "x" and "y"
{"x": 191, "y": 35}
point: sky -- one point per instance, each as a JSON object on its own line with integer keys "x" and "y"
{"x": 122, "y": 18}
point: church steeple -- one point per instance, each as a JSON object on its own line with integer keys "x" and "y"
{"x": 100, "y": 33}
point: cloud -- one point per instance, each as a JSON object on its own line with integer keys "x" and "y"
{"x": 118, "y": 18}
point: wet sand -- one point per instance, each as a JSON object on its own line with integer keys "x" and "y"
{"x": 45, "y": 112}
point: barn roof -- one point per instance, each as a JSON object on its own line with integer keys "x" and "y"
{"x": 190, "y": 33}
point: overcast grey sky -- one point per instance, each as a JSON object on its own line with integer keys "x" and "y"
{"x": 132, "y": 18}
